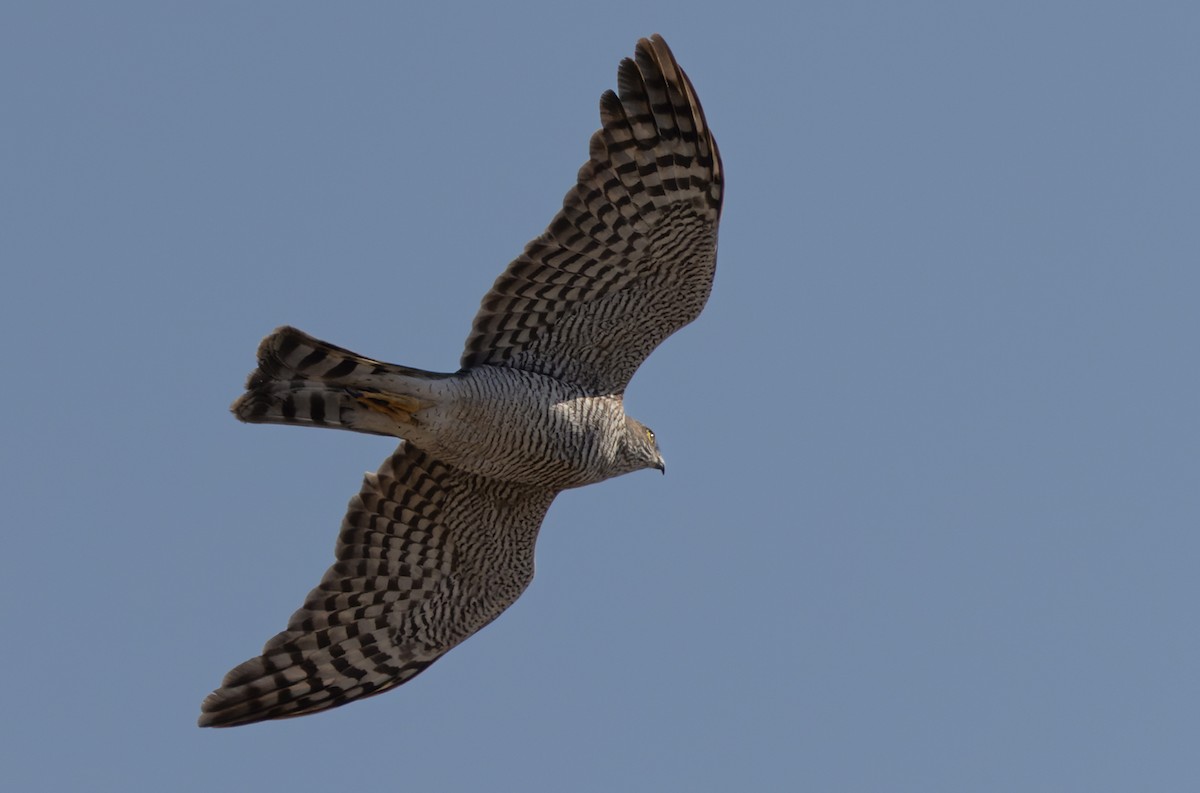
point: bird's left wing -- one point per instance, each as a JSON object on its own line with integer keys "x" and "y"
{"x": 427, "y": 555}
{"x": 630, "y": 258}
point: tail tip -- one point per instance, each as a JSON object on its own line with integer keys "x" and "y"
{"x": 253, "y": 405}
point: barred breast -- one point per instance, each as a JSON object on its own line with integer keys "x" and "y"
{"x": 525, "y": 427}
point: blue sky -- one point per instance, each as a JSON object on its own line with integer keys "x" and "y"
{"x": 931, "y": 515}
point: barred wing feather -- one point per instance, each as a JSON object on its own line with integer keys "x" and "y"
{"x": 427, "y": 555}
{"x": 630, "y": 258}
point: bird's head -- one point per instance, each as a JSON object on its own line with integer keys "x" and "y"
{"x": 641, "y": 448}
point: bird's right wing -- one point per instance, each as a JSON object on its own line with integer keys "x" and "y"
{"x": 427, "y": 555}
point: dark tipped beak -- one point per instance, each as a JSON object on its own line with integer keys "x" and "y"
{"x": 662, "y": 466}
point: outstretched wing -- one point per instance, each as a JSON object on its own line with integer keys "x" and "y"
{"x": 630, "y": 258}
{"x": 427, "y": 555}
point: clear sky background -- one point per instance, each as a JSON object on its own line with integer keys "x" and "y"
{"x": 932, "y": 516}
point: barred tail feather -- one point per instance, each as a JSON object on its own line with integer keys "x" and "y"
{"x": 305, "y": 381}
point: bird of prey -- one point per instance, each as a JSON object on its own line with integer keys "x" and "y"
{"x": 441, "y": 539}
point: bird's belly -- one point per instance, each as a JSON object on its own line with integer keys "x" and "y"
{"x": 522, "y": 427}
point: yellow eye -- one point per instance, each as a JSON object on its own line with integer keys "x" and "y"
{"x": 650, "y": 434}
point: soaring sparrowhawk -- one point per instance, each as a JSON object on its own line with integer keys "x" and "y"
{"x": 440, "y": 540}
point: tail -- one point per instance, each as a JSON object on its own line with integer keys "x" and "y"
{"x": 302, "y": 380}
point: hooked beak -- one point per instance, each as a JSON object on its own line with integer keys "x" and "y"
{"x": 661, "y": 465}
